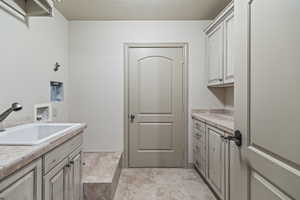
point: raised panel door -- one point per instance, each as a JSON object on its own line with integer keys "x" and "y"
{"x": 229, "y": 49}
{"x": 56, "y": 182}
{"x": 216, "y": 164}
{"x": 156, "y": 105}
{"x": 267, "y": 98}
{"x": 215, "y": 56}
{"x": 23, "y": 185}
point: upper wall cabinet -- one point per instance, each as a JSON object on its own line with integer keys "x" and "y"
{"x": 28, "y": 8}
{"x": 215, "y": 55}
{"x": 219, "y": 49}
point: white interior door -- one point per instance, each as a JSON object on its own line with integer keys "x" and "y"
{"x": 156, "y": 107}
{"x": 267, "y": 98}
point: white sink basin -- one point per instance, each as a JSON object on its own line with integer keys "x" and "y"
{"x": 34, "y": 134}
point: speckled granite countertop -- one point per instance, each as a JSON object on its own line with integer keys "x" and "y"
{"x": 222, "y": 119}
{"x": 13, "y": 158}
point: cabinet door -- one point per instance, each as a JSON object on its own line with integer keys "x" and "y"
{"x": 75, "y": 178}
{"x": 215, "y": 56}
{"x": 23, "y": 185}
{"x": 56, "y": 182}
{"x": 216, "y": 164}
{"x": 229, "y": 49}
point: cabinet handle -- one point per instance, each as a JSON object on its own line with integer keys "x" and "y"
{"x": 72, "y": 162}
{"x": 198, "y": 126}
{"x": 68, "y": 165}
{"x": 220, "y": 79}
{"x": 237, "y": 138}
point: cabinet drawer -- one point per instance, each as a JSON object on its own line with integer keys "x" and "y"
{"x": 55, "y": 156}
{"x": 199, "y": 125}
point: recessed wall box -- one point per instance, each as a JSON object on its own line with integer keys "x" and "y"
{"x": 43, "y": 113}
{"x": 57, "y": 91}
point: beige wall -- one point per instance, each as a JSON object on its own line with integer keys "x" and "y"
{"x": 28, "y": 54}
{"x": 96, "y": 72}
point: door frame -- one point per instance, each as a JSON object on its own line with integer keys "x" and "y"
{"x": 127, "y": 46}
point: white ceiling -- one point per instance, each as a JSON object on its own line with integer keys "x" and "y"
{"x": 140, "y": 9}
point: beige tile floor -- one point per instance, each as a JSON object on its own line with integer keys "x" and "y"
{"x": 162, "y": 184}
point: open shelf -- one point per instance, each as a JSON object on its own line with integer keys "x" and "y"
{"x": 29, "y": 8}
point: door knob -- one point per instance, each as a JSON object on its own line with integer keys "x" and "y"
{"x": 237, "y": 138}
{"x": 132, "y": 117}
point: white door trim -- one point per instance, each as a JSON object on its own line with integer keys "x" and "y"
{"x": 127, "y": 46}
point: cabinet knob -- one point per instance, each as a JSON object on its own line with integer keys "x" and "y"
{"x": 72, "y": 162}
{"x": 132, "y": 117}
{"x": 68, "y": 165}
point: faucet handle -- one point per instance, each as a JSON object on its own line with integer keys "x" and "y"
{"x": 14, "y": 108}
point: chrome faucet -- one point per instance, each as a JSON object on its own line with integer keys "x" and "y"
{"x": 14, "y": 107}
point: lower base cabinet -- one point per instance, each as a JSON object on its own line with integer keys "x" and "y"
{"x": 212, "y": 157}
{"x": 25, "y": 184}
{"x": 54, "y": 176}
{"x": 63, "y": 182}
{"x": 62, "y": 174}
